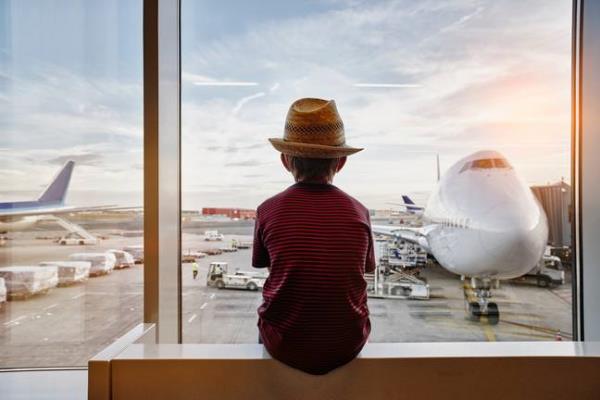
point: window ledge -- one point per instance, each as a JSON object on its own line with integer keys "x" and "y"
{"x": 136, "y": 368}
{"x": 370, "y": 351}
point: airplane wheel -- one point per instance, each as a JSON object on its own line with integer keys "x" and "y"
{"x": 493, "y": 314}
{"x": 474, "y": 311}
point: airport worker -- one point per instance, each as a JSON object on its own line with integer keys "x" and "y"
{"x": 317, "y": 243}
{"x": 194, "y": 270}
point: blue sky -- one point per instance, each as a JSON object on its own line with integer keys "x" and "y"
{"x": 484, "y": 74}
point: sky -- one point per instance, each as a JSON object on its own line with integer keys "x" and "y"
{"x": 452, "y": 77}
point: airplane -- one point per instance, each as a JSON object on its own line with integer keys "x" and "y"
{"x": 481, "y": 222}
{"x": 21, "y": 215}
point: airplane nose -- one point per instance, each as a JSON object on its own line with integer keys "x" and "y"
{"x": 516, "y": 243}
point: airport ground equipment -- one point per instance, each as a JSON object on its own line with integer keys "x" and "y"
{"x": 403, "y": 255}
{"x": 76, "y": 236}
{"x": 228, "y": 249}
{"x": 396, "y": 275}
{"x": 210, "y": 236}
{"x": 2, "y": 291}
{"x": 191, "y": 256}
{"x": 25, "y": 281}
{"x": 219, "y": 277}
{"x": 123, "y": 259}
{"x": 137, "y": 251}
{"x": 244, "y": 244}
{"x": 101, "y": 263}
{"x": 70, "y": 272}
{"x": 213, "y": 251}
{"x": 549, "y": 272}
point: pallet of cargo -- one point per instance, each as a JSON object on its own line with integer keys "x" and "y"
{"x": 2, "y": 292}
{"x": 70, "y": 272}
{"x": 23, "y": 282}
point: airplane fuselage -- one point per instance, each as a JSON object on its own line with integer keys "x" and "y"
{"x": 487, "y": 222}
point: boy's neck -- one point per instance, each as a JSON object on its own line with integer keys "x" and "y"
{"x": 322, "y": 181}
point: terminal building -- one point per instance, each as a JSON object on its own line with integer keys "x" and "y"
{"x": 239, "y": 213}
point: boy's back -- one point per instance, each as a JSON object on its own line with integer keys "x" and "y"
{"x": 317, "y": 242}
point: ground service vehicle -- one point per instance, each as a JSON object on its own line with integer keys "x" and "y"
{"x": 219, "y": 277}
{"x": 210, "y": 236}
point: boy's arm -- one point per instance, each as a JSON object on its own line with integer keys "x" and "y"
{"x": 370, "y": 261}
{"x": 260, "y": 255}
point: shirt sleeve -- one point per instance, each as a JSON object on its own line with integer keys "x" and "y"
{"x": 260, "y": 255}
{"x": 370, "y": 262}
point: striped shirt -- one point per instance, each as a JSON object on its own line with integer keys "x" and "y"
{"x": 317, "y": 241}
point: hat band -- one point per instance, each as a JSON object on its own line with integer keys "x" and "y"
{"x": 329, "y": 134}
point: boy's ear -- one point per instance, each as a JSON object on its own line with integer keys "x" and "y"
{"x": 340, "y": 164}
{"x": 285, "y": 162}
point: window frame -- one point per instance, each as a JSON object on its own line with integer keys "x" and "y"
{"x": 155, "y": 296}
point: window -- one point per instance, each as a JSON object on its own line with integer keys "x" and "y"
{"x": 70, "y": 114}
{"x": 411, "y": 80}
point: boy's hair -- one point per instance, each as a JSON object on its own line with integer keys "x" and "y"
{"x": 312, "y": 168}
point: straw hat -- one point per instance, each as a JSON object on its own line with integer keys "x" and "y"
{"x": 313, "y": 129}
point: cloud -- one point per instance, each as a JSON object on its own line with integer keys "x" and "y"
{"x": 490, "y": 74}
{"x": 246, "y": 163}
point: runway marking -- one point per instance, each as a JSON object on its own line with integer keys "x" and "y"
{"x": 50, "y": 306}
{"x": 487, "y": 330}
{"x": 78, "y": 296}
{"x": 15, "y": 321}
{"x": 193, "y": 317}
{"x": 212, "y": 296}
{"x": 203, "y": 305}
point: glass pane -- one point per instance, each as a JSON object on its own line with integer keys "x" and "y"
{"x": 482, "y": 85}
{"x": 71, "y": 178}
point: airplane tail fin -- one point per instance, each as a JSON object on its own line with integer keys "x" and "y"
{"x": 407, "y": 200}
{"x": 410, "y": 205}
{"x": 57, "y": 190}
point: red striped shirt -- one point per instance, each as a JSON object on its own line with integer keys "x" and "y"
{"x": 318, "y": 243}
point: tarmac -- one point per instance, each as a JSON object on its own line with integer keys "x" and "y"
{"x": 68, "y": 325}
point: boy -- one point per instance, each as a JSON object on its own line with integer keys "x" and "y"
{"x": 317, "y": 243}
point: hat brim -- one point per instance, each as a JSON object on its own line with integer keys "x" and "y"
{"x": 308, "y": 150}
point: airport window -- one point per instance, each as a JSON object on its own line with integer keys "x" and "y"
{"x": 430, "y": 90}
{"x": 71, "y": 179}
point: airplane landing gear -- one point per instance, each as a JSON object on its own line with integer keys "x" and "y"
{"x": 478, "y": 296}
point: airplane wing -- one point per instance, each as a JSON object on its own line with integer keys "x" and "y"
{"x": 7, "y": 213}
{"x": 408, "y": 233}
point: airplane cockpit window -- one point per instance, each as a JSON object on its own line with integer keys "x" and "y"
{"x": 486, "y": 163}
{"x": 501, "y": 163}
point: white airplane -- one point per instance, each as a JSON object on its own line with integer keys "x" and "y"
{"x": 482, "y": 222}
{"x": 21, "y": 215}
